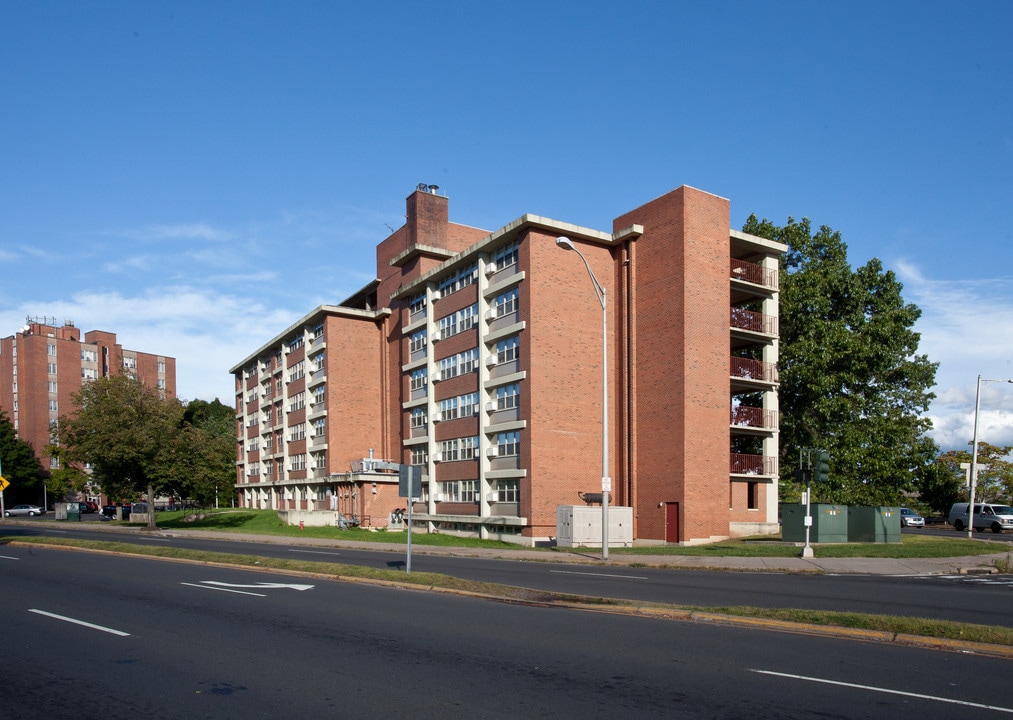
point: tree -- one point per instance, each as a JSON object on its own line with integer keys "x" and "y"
{"x": 995, "y": 472}
{"x": 123, "y": 429}
{"x": 18, "y": 463}
{"x": 851, "y": 379}
{"x": 202, "y": 462}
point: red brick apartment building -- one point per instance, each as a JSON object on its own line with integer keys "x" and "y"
{"x": 478, "y": 355}
{"x": 43, "y": 365}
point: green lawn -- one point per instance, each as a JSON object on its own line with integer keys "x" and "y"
{"x": 266, "y": 522}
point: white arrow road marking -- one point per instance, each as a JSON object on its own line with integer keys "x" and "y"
{"x": 258, "y": 586}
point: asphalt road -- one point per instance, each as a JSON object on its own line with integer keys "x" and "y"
{"x": 95, "y": 636}
{"x": 983, "y": 600}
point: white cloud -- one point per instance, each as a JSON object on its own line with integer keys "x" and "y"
{"x": 967, "y": 327}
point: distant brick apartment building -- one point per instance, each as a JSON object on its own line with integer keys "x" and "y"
{"x": 477, "y": 355}
{"x": 44, "y": 364}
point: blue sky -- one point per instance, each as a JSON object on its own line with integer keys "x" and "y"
{"x": 195, "y": 176}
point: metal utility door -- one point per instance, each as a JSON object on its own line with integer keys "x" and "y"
{"x": 672, "y": 522}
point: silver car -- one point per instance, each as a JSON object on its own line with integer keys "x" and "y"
{"x": 909, "y": 518}
{"x": 29, "y": 510}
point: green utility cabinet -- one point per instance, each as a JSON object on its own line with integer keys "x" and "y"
{"x": 830, "y": 523}
{"x": 874, "y": 524}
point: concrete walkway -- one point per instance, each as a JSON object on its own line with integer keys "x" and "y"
{"x": 592, "y": 556}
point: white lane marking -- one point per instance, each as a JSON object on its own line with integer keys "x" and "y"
{"x": 313, "y": 552}
{"x": 220, "y": 589}
{"x": 259, "y": 586}
{"x": 8, "y": 557}
{"x": 594, "y": 574}
{"x": 153, "y": 539}
{"x": 79, "y": 622}
{"x": 888, "y": 691}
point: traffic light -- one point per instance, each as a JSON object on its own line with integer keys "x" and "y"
{"x": 821, "y": 467}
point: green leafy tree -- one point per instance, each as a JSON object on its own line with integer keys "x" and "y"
{"x": 942, "y": 483}
{"x": 851, "y": 379}
{"x": 201, "y": 464}
{"x": 124, "y": 430}
{"x": 995, "y": 472}
{"x": 19, "y": 465}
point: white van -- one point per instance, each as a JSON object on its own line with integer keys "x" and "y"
{"x": 986, "y": 517}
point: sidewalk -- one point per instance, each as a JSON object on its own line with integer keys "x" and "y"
{"x": 591, "y": 556}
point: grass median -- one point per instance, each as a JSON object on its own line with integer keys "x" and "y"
{"x": 267, "y": 522}
{"x": 891, "y": 624}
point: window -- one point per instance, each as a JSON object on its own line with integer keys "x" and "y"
{"x": 297, "y": 371}
{"x": 253, "y": 444}
{"x": 319, "y": 427}
{"x": 297, "y": 433}
{"x": 318, "y": 394}
{"x": 52, "y": 368}
{"x": 460, "y": 491}
{"x": 448, "y": 325}
{"x": 161, "y": 367}
{"x": 469, "y": 361}
{"x": 508, "y": 443}
{"x": 417, "y": 304}
{"x": 51, "y": 350}
{"x": 295, "y": 343}
{"x": 297, "y": 402}
{"x": 268, "y": 412}
{"x": 468, "y": 317}
{"x": 508, "y": 491}
{"x": 505, "y": 256}
{"x": 89, "y": 373}
{"x": 298, "y": 462}
{"x": 449, "y": 449}
{"x": 418, "y": 417}
{"x": 53, "y": 406}
{"x": 317, "y": 333}
{"x": 417, "y": 341}
{"x": 461, "y": 279}
{"x": 52, "y": 386}
{"x": 448, "y": 409}
{"x": 317, "y": 362}
{"x": 130, "y": 362}
{"x": 506, "y": 303}
{"x": 92, "y": 356}
{"x": 420, "y": 455}
{"x": 161, "y": 383}
{"x": 508, "y": 396}
{"x": 469, "y": 447}
{"x": 506, "y": 350}
{"x": 419, "y": 379}
{"x": 469, "y": 404}
{"x": 448, "y": 367}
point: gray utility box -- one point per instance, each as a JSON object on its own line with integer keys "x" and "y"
{"x": 830, "y": 523}
{"x": 580, "y": 526}
{"x": 874, "y": 524}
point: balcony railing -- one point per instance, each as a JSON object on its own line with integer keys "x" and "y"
{"x": 743, "y": 416}
{"x": 754, "y": 321}
{"x": 753, "y": 464}
{"x": 756, "y": 274}
{"x": 753, "y": 369}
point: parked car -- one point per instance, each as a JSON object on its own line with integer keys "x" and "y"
{"x": 986, "y": 517}
{"x": 29, "y": 510}
{"x": 89, "y": 506}
{"x": 909, "y": 518}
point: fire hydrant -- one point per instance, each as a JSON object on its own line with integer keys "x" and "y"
{"x": 301, "y": 526}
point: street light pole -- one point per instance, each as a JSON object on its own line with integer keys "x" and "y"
{"x": 974, "y": 453}
{"x": 606, "y": 481}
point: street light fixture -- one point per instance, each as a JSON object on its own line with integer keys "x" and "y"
{"x": 974, "y": 453}
{"x": 606, "y": 481}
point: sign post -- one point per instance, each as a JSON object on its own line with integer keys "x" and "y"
{"x": 409, "y": 486}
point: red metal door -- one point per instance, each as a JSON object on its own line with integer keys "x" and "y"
{"x": 672, "y": 522}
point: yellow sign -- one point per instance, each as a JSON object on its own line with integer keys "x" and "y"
{"x": 3, "y": 483}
